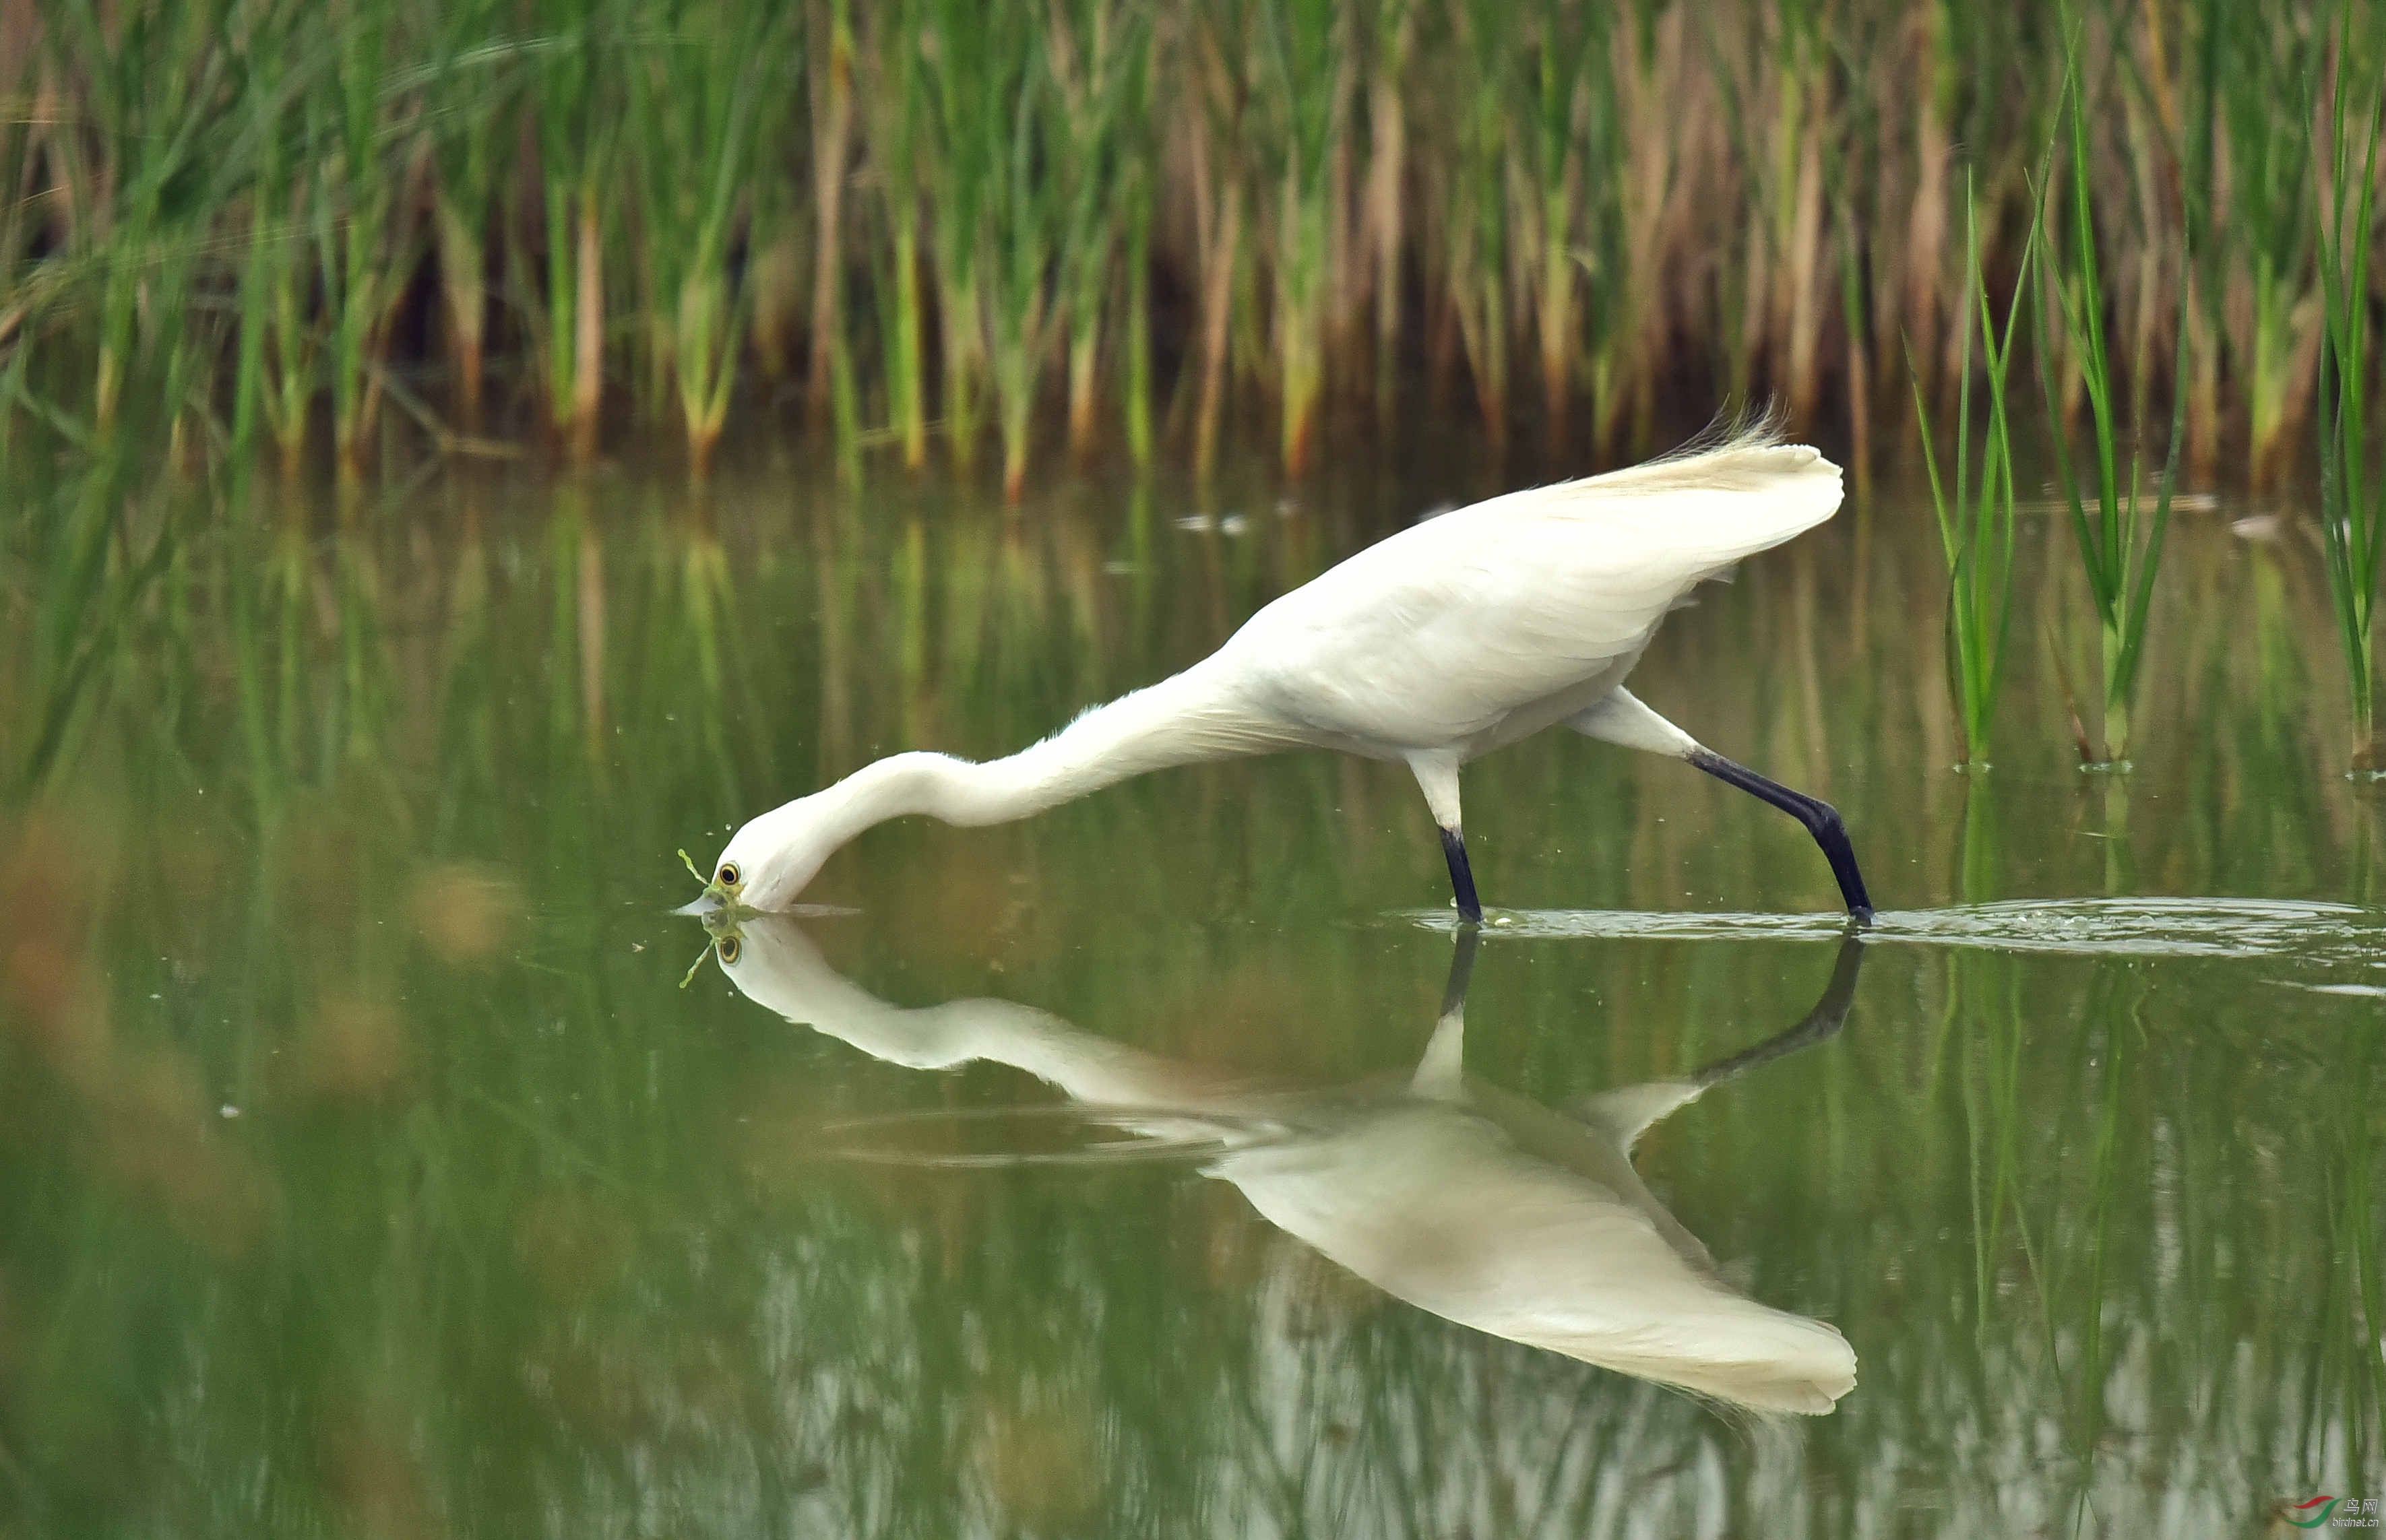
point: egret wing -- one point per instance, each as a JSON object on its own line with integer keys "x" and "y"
{"x": 1439, "y": 632}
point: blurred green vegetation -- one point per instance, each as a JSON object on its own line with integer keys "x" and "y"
{"x": 272, "y": 220}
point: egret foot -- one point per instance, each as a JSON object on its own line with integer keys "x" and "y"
{"x": 1821, "y": 820}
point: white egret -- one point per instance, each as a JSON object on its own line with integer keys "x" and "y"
{"x": 1477, "y": 1204}
{"x": 1432, "y": 648}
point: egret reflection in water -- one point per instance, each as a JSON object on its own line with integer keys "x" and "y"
{"x": 1477, "y": 1204}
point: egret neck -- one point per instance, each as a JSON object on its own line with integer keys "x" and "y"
{"x": 1190, "y": 718}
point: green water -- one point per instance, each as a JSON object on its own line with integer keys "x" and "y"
{"x": 366, "y": 1170}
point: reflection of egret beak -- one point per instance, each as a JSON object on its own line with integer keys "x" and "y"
{"x": 726, "y": 922}
{"x": 723, "y": 924}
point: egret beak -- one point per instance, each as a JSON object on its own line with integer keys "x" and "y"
{"x": 717, "y": 897}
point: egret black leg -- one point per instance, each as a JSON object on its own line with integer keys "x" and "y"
{"x": 1461, "y": 877}
{"x": 1821, "y": 820}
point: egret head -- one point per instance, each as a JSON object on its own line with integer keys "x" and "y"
{"x": 771, "y": 858}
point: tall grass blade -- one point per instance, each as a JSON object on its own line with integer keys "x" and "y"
{"x": 2353, "y": 499}
{"x": 1976, "y": 518}
{"x": 2120, "y": 542}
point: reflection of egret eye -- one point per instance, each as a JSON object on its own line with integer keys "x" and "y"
{"x": 729, "y": 874}
{"x": 728, "y": 950}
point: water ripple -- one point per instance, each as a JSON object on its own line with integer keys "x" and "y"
{"x": 2334, "y": 933}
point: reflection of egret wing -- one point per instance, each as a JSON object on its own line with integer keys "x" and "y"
{"x": 1441, "y": 1208}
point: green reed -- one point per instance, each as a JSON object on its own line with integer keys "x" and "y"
{"x": 2119, "y": 539}
{"x": 701, "y": 99}
{"x": 360, "y": 225}
{"x": 1098, "y": 63}
{"x": 471, "y": 84}
{"x": 1302, "y": 72}
{"x": 1646, "y": 203}
{"x": 1488, "y": 73}
{"x": 1027, "y": 214}
{"x": 133, "y": 146}
{"x": 2352, "y": 492}
{"x": 966, "y": 128}
{"x": 894, "y": 97}
{"x": 1633, "y": 165}
{"x": 1563, "y": 75}
{"x": 1136, "y": 199}
{"x": 575, "y": 97}
{"x": 266, "y": 275}
{"x": 1976, "y": 517}
{"x": 2270, "y": 268}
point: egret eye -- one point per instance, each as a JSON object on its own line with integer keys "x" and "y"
{"x": 728, "y": 950}
{"x": 729, "y": 877}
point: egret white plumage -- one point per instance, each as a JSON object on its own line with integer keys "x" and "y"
{"x": 1432, "y": 648}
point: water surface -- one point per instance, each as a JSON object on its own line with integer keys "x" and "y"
{"x": 365, "y": 1169}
